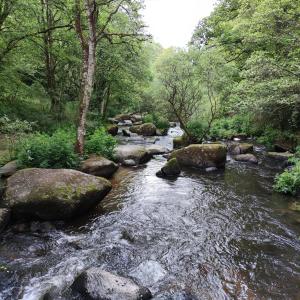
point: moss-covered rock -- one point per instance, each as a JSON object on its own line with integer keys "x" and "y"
{"x": 170, "y": 169}
{"x": 147, "y": 129}
{"x": 201, "y": 156}
{"x": 113, "y": 130}
{"x": 53, "y": 194}
{"x": 281, "y": 156}
{"x": 99, "y": 166}
{"x": 180, "y": 142}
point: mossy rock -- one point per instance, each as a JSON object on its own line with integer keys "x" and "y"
{"x": 53, "y": 194}
{"x": 171, "y": 169}
{"x": 147, "y": 129}
{"x": 295, "y": 206}
{"x": 180, "y": 142}
{"x": 281, "y": 156}
{"x": 113, "y": 130}
{"x": 201, "y": 156}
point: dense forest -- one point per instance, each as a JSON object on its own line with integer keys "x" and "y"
{"x": 195, "y": 152}
{"x": 74, "y": 64}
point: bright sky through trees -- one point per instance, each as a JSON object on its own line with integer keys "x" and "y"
{"x": 171, "y": 22}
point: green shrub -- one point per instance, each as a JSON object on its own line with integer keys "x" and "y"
{"x": 45, "y": 151}
{"x": 159, "y": 121}
{"x": 148, "y": 118}
{"x": 100, "y": 142}
{"x": 289, "y": 181}
{"x": 197, "y": 129}
{"x": 8, "y": 126}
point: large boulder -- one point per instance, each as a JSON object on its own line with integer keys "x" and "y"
{"x": 9, "y": 169}
{"x": 4, "y": 218}
{"x": 113, "y": 130}
{"x": 132, "y": 153}
{"x": 170, "y": 169}
{"x": 95, "y": 283}
{"x": 136, "y": 118}
{"x": 201, "y": 156}
{"x": 237, "y": 149}
{"x": 99, "y": 166}
{"x": 246, "y": 158}
{"x": 53, "y": 194}
{"x": 147, "y": 129}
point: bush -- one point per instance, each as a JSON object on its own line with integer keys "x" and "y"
{"x": 230, "y": 126}
{"x": 8, "y": 126}
{"x": 197, "y": 129}
{"x": 159, "y": 121}
{"x": 289, "y": 181}
{"x": 100, "y": 142}
{"x": 45, "y": 151}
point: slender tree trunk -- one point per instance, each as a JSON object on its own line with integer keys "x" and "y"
{"x": 88, "y": 74}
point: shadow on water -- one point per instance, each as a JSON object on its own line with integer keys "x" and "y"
{"x": 218, "y": 235}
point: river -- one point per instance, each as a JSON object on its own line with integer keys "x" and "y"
{"x": 218, "y": 235}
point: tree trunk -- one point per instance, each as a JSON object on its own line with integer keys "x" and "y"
{"x": 88, "y": 74}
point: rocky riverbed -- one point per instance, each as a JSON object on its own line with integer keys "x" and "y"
{"x": 214, "y": 234}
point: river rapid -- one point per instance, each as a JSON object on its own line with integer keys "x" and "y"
{"x": 217, "y": 235}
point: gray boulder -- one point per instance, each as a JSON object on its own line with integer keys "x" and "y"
{"x": 53, "y": 194}
{"x": 99, "y": 166}
{"x": 138, "y": 154}
{"x": 246, "y": 158}
{"x": 9, "y": 169}
{"x": 201, "y": 156}
{"x": 156, "y": 149}
{"x": 4, "y": 218}
{"x": 95, "y": 283}
{"x": 236, "y": 149}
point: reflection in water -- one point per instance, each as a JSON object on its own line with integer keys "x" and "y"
{"x": 219, "y": 235}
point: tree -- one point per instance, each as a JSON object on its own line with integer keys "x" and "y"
{"x": 180, "y": 85}
{"x": 99, "y": 17}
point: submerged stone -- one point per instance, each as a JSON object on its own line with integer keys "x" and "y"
{"x": 246, "y": 158}
{"x": 4, "y": 218}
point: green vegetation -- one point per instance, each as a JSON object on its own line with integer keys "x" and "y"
{"x": 101, "y": 143}
{"x": 238, "y": 76}
{"x": 48, "y": 151}
{"x": 289, "y": 181}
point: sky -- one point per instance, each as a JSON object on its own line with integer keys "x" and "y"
{"x": 172, "y": 22}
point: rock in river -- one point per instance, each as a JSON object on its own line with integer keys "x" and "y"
{"x": 95, "y": 283}
{"x": 135, "y": 153}
{"x": 201, "y": 156}
{"x": 99, "y": 166}
{"x": 246, "y": 158}
{"x": 171, "y": 169}
{"x": 9, "y": 169}
{"x": 236, "y": 149}
{"x": 4, "y": 218}
{"x": 147, "y": 129}
{"x": 113, "y": 130}
{"x": 53, "y": 194}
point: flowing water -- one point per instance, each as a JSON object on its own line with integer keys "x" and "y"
{"x": 218, "y": 235}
